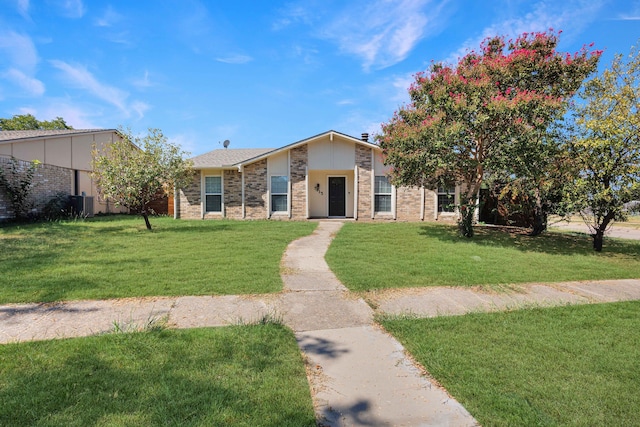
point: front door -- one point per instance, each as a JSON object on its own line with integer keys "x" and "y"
{"x": 337, "y": 200}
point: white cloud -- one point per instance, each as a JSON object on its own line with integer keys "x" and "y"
{"x": 140, "y": 108}
{"x": 20, "y": 59}
{"x": 570, "y": 16}
{"x": 109, "y": 18}
{"x": 291, "y": 15}
{"x": 345, "y": 102}
{"x": 83, "y": 79}
{"x": 143, "y": 82}
{"x": 20, "y": 51}
{"x": 23, "y": 8}
{"x": 32, "y": 85}
{"x": 70, "y": 8}
{"x": 235, "y": 59}
{"x": 185, "y": 142}
{"x": 383, "y": 32}
{"x": 633, "y": 14}
{"x": 80, "y": 77}
{"x": 72, "y": 114}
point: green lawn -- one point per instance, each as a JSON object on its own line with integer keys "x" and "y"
{"x": 569, "y": 366}
{"x": 115, "y": 256}
{"x": 233, "y": 376}
{"x": 394, "y": 255}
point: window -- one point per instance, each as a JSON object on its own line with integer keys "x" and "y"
{"x": 279, "y": 192}
{"x": 213, "y": 194}
{"x": 446, "y": 199}
{"x": 382, "y": 194}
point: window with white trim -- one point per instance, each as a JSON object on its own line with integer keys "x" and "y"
{"x": 447, "y": 199}
{"x": 213, "y": 193}
{"x": 279, "y": 193}
{"x": 382, "y": 194}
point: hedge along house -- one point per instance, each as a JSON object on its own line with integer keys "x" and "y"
{"x": 330, "y": 175}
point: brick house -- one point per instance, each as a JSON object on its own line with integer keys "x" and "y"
{"x": 330, "y": 175}
{"x": 65, "y": 157}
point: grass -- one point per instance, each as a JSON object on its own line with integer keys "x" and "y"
{"x": 232, "y": 376}
{"x": 569, "y": 366}
{"x": 396, "y": 255}
{"x": 115, "y": 257}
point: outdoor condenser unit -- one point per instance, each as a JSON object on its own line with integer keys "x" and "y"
{"x": 82, "y": 205}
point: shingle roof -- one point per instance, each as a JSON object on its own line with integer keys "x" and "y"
{"x": 12, "y": 135}
{"x": 227, "y": 157}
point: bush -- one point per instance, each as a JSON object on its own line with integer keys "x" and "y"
{"x": 58, "y": 207}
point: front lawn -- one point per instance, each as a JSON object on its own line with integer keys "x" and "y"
{"x": 233, "y": 376}
{"x": 115, "y": 257}
{"x": 570, "y": 366}
{"x": 394, "y": 255}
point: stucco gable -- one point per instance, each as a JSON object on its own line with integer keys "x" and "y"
{"x": 330, "y": 135}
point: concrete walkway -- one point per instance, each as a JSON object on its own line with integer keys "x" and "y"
{"x": 360, "y": 376}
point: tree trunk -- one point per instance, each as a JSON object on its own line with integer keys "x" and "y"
{"x": 465, "y": 224}
{"x": 539, "y": 216}
{"x": 145, "y": 215}
{"x": 598, "y": 238}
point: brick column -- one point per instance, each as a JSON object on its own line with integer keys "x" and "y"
{"x": 297, "y": 173}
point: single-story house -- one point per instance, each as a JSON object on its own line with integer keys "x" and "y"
{"x": 330, "y": 175}
{"x": 65, "y": 157}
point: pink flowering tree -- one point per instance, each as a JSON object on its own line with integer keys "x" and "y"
{"x": 488, "y": 114}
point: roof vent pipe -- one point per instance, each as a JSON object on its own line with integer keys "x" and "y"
{"x": 365, "y": 137}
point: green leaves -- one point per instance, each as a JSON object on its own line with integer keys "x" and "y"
{"x": 605, "y": 144}
{"x": 133, "y": 172}
{"x": 29, "y": 122}
{"x": 483, "y": 116}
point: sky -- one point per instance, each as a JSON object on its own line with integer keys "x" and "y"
{"x": 260, "y": 73}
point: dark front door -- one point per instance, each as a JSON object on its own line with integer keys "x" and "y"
{"x": 337, "y": 188}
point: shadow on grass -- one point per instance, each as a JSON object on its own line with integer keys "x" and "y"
{"x": 128, "y": 379}
{"x": 515, "y": 238}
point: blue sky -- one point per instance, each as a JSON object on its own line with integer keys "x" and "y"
{"x": 260, "y": 73}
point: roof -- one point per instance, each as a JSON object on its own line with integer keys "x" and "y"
{"x": 15, "y": 135}
{"x": 229, "y": 157}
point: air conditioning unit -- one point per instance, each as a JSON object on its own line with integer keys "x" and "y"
{"x": 82, "y": 205}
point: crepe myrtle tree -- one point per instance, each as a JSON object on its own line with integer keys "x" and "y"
{"x": 466, "y": 121}
{"x": 135, "y": 171}
{"x": 605, "y": 145}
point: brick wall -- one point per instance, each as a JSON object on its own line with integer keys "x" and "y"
{"x": 189, "y": 200}
{"x": 255, "y": 191}
{"x": 232, "y": 194}
{"x": 48, "y": 180}
{"x": 299, "y": 162}
{"x": 365, "y": 192}
{"x": 408, "y": 203}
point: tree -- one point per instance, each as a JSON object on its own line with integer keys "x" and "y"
{"x": 605, "y": 144}
{"x": 494, "y": 107}
{"x": 134, "y": 177}
{"x": 29, "y": 122}
{"x": 17, "y": 181}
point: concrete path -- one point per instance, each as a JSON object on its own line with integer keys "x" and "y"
{"x": 360, "y": 376}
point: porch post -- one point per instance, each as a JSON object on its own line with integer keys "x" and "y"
{"x": 355, "y": 192}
